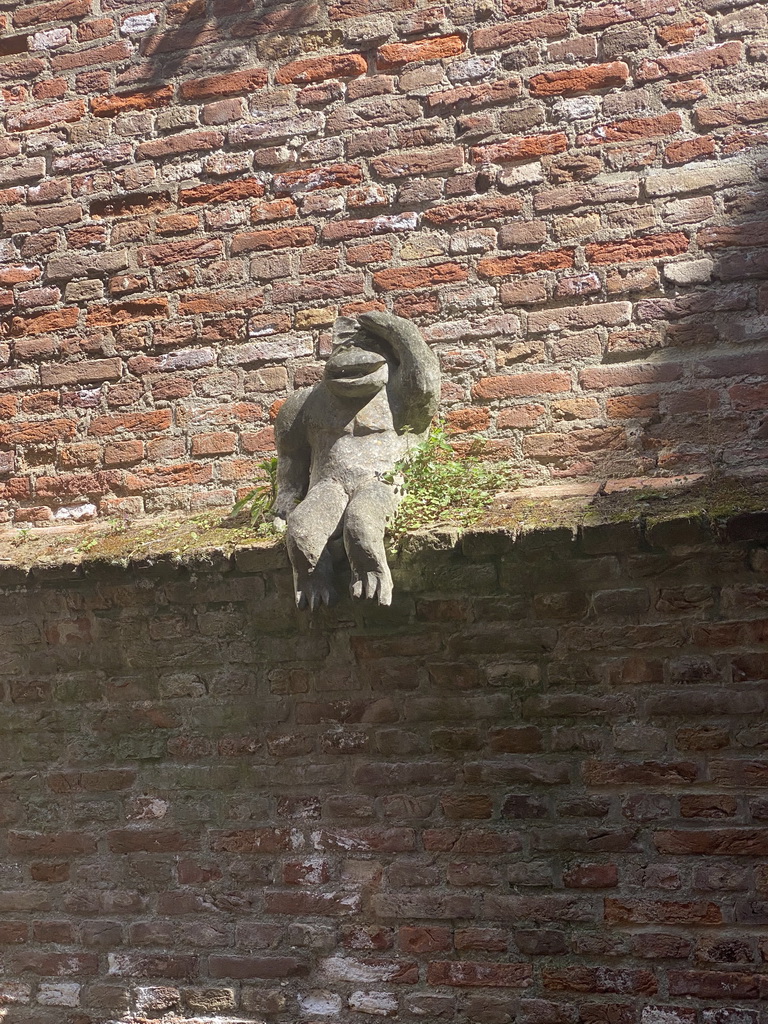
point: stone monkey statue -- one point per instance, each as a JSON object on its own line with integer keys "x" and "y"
{"x": 338, "y": 439}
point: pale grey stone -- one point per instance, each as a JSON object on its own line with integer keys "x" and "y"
{"x": 337, "y": 446}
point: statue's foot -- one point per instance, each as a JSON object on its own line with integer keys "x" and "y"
{"x": 373, "y": 585}
{"x": 315, "y": 590}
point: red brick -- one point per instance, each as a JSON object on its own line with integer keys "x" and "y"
{"x": 143, "y": 840}
{"x": 142, "y": 99}
{"x": 344, "y": 230}
{"x": 318, "y": 69}
{"x": 277, "y": 238}
{"x": 500, "y": 37}
{"x": 261, "y": 967}
{"x": 600, "y": 979}
{"x": 647, "y": 247}
{"x": 276, "y": 209}
{"x": 600, "y": 377}
{"x": 131, "y": 203}
{"x": 43, "y": 117}
{"x": 694, "y": 63}
{"x": 463, "y": 420}
{"x": 395, "y": 55}
{"x": 681, "y": 33}
{"x": 530, "y": 263}
{"x": 520, "y": 416}
{"x": 133, "y": 422}
{"x": 422, "y": 940}
{"x": 226, "y": 192}
{"x": 55, "y": 965}
{"x": 725, "y": 235}
{"x": 632, "y": 406}
{"x": 50, "y": 844}
{"x": 87, "y": 371}
{"x": 236, "y": 83}
{"x": 661, "y": 912}
{"x": 471, "y": 974}
{"x": 472, "y": 210}
{"x": 175, "y": 145}
{"x": 40, "y": 14}
{"x": 721, "y": 115}
{"x": 311, "y": 179}
{"x": 127, "y": 312}
{"x": 722, "y": 985}
{"x": 418, "y": 277}
{"x": 520, "y": 385}
{"x": 616, "y": 14}
{"x": 42, "y": 323}
{"x": 591, "y": 876}
{"x": 95, "y": 55}
{"x": 222, "y": 443}
{"x": 419, "y": 162}
{"x": 474, "y": 97}
{"x": 160, "y": 477}
{"x": 633, "y": 128}
{"x": 578, "y": 80}
{"x": 729, "y": 842}
{"x": 178, "y": 252}
{"x": 523, "y": 148}
{"x": 689, "y": 149}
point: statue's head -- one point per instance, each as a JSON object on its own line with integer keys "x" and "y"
{"x": 358, "y": 366}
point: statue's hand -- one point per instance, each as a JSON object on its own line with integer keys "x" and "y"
{"x": 393, "y": 329}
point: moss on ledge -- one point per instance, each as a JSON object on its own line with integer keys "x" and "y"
{"x": 187, "y": 539}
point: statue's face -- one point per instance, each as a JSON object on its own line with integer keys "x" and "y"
{"x": 356, "y": 368}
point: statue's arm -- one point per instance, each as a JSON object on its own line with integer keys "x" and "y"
{"x": 293, "y": 454}
{"x": 417, "y": 379}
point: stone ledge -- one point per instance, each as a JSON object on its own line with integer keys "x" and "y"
{"x": 610, "y": 518}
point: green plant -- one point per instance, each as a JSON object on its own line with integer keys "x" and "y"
{"x": 441, "y": 488}
{"x": 258, "y": 502}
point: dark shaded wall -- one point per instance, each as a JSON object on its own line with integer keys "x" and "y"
{"x": 533, "y": 790}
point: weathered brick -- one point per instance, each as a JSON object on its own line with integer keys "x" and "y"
{"x": 43, "y": 117}
{"x": 276, "y": 238}
{"x": 646, "y": 247}
{"x": 418, "y": 277}
{"x": 318, "y": 69}
{"x": 697, "y": 61}
{"x": 394, "y": 55}
{"x": 184, "y": 142}
{"x": 523, "y": 148}
{"x": 499, "y": 266}
{"x": 236, "y": 83}
{"x": 331, "y": 176}
{"x": 142, "y": 99}
{"x": 549, "y": 26}
{"x": 578, "y": 80}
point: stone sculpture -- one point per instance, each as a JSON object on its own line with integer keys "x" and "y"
{"x": 337, "y": 444}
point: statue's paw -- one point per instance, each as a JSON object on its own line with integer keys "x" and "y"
{"x": 313, "y": 594}
{"x": 373, "y": 585}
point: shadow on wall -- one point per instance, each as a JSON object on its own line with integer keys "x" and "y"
{"x": 714, "y": 322}
{"x": 175, "y": 48}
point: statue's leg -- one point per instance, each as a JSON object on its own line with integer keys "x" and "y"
{"x": 369, "y": 510}
{"x": 310, "y": 526}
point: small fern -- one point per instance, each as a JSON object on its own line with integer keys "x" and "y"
{"x": 259, "y": 501}
{"x": 441, "y": 488}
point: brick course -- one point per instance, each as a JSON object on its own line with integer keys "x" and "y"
{"x": 172, "y": 181}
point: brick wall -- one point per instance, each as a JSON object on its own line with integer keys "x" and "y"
{"x": 533, "y": 790}
{"x": 569, "y": 201}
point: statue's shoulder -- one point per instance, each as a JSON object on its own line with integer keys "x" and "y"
{"x": 292, "y": 410}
